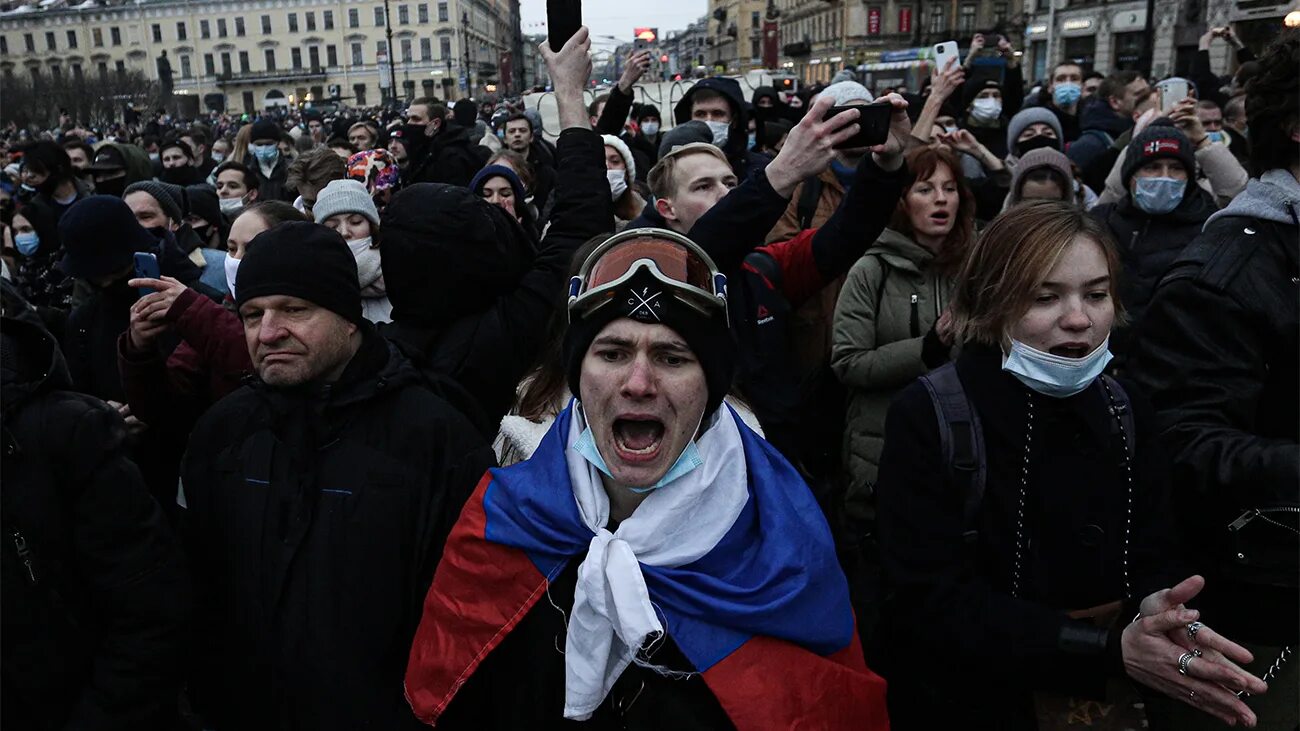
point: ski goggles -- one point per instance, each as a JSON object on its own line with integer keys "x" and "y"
{"x": 672, "y": 259}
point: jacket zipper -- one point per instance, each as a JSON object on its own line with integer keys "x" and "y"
{"x": 916, "y": 316}
{"x": 25, "y": 554}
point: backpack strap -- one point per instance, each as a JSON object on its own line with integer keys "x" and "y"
{"x": 961, "y": 440}
{"x": 1123, "y": 409}
{"x": 808, "y": 198}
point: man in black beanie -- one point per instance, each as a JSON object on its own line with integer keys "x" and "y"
{"x": 338, "y": 469}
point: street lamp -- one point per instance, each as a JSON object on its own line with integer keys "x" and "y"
{"x": 469, "y": 79}
{"x": 392, "y": 70}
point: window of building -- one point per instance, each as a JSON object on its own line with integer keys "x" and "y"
{"x": 311, "y": 20}
{"x": 248, "y": 102}
{"x": 966, "y": 20}
{"x": 754, "y": 53}
{"x": 442, "y": 11}
{"x": 116, "y": 35}
{"x": 357, "y": 58}
{"x": 221, "y": 28}
{"x": 96, "y": 38}
{"x": 209, "y": 65}
{"x": 182, "y": 31}
{"x": 753, "y": 19}
{"x": 406, "y": 49}
{"x": 239, "y": 26}
{"x": 295, "y": 55}
{"x": 379, "y": 17}
{"x": 120, "y": 68}
{"x": 36, "y": 74}
{"x": 359, "y": 91}
{"x": 999, "y": 13}
{"x": 243, "y": 62}
{"x": 422, "y": 13}
{"x": 328, "y": 18}
{"x": 293, "y": 22}
{"x": 29, "y": 42}
{"x": 57, "y": 72}
{"x": 937, "y": 22}
{"x": 205, "y": 30}
{"x": 156, "y": 31}
{"x": 313, "y": 57}
{"x": 331, "y": 56}
{"x": 102, "y": 69}
{"x": 266, "y": 25}
{"x": 444, "y": 48}
{"x": 225, "y": 62}
{"x": 72, "y": 39}
{"x": 354, "y": 18}
{"x": 76, "y": 71}
{"x": 270, "y": 59}
{"x": 4, "y": 46}
{"x": 403, "y": 15}
{"x": 186, "y": 71}
{"x": 50, "y": 44}
{"x": 426, "y": 49}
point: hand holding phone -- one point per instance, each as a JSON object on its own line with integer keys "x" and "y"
{"x": 1171, "y": 92}
{"x": 563, "y": 18}
{"x": 873, "y": 125}
{"x": 146, "y": 267}
{"x": 945, "y": 51}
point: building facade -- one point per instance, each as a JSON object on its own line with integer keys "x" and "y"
{"x": 250, "y": 55}
{"x": 734, "y": 39}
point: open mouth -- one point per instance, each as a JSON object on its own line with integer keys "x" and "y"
{"x": 638, "y": 439}
{"x": 1070, "y": 350}
{"x": 940, "y": 217}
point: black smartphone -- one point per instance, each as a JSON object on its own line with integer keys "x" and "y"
{"x": 563, "y": 18}
{"x": 873, "y": 122}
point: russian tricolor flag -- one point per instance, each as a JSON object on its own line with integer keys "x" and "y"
{"x": 764, "y": 616}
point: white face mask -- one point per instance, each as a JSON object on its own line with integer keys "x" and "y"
{"x": 232, "y": 268}
{"x": 617, "y": 182}
{"x": 986, "y": 110}
{"x": 1055, "y": 375}
{"x": 368, "y": 260}
{"x": 721, "y": 132}
{"x": 218, "y": 158}
{"x": 231, "y": 206}
{"x": 650, "y": 129}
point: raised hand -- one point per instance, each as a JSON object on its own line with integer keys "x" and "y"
{"x": 637, "y": 64}
{"x": 810, "y": 146}
{"x": 889, "y": 156}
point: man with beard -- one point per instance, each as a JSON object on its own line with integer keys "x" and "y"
{"x": 438, "y": 149}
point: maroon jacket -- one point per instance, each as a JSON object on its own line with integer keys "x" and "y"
{"x": 209, "y": 362}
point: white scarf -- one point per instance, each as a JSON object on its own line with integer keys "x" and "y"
{"x": 676, "y": 524}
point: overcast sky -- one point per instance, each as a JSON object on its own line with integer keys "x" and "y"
{"x": 618, "y": 17}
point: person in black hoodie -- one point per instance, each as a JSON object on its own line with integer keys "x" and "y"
{"x": 1163, "y": 209}
{"x": 37, "y": 276}
{"x": 336, "y": 468}
{"x": 471, "y": 299}
{"x": 95, "y": 597}
{"x": 438, "y": 149}
{"x": 717, "y": 102}
{"x": 1104, "y": 118}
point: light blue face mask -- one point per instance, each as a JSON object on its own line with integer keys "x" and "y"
{"x": 27, "y": 243}
{"x": 1158, "y": 196}
{"x": 1055, "y": 375}
{"x": 1066, "y": 93}
{"x": 688, "y": 461}
{"x": 265, "y": 154}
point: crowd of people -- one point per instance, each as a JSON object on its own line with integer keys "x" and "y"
{"x": 719, "y": 423}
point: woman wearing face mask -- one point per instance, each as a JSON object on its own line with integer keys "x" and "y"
{"x": 890, "y": 324}
{"x": 1163, "y": 209}
{"x": 346, "y": 207}
{"x": 1032, "y": 567}
{"x": 620, "y": 168}
{"x": 36, "y": 274}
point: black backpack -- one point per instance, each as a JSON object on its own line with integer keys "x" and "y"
{"x": 961, "y": 437}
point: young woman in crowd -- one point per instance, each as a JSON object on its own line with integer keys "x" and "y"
{"x": 346, "y": 207}
{"x": 621, "y": 171}
{"x": 889, "y": 326}
{"x": 1044, "y": 174}
{"x": 499, "y": 185}
{"x": 1023, "y": 530}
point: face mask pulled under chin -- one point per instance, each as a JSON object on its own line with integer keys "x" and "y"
{"x": 1055, "y": 375}
{"x": 687, "y": 462}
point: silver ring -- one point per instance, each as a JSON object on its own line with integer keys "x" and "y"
{"x": 1191, "y": 695}
{"x": 1193, "y": 628}
{"x": 1183, "y": 661}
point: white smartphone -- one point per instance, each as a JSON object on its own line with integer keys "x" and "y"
{"x": 943, "y": 52}
{"x": 1171, "y": 92}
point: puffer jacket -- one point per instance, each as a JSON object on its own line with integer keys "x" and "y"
{"x": 1147, "y": 246}
{"x": 891, "y": 300}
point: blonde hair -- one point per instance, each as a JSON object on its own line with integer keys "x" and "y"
{"x": 239, "y": 148}
{"x": 663, "y": 176}
{"x": 1003, "y": 269}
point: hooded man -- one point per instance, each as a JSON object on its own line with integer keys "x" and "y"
{"x": 1062, "y": 97}
{"x": 270, "y": 166}
{"x": 117, "y": 165}
{"x": 691, "y": 582}
{"x": 438, "y": 149}
{"x": 645, "y": 143}
{"x": 717, "y": 102}
{"x": 47, "y": 168}
{"x": 178, "y": 163}
{"x": 337, "y": 467}
{"x": 989, "y": 105}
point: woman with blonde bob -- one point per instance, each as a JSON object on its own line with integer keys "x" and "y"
{"x": 1022, "y": 508}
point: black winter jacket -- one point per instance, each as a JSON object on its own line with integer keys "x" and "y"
{"x": 1099, "y": 126}
{"x": 471, "y": 301}
{"x": 275, "y": 187}
{"x": 959, "y": 650}
{"x": 1148, "y": 245}
{"x": 314, "y": 518}
{"x": 1218, "y": 352}
{"x": 450, "y": 157}
{"x": 95, "y": 597}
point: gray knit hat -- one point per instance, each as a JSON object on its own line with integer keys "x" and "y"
{"x": 345, "y": 196}
{"x": 1033, "y": 115}
{"x": 170, "y": 197}
{"x": 847, "y": 92}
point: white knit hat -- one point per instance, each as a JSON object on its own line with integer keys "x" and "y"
{"x": 623, "y": 150}
{"x": 847, "y": 92}
{"x": 345, "y": 196}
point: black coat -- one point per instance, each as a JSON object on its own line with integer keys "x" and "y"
{"x": 95, "y": 605}
{"x": 1148, "y": 245}
{"x": 471, "y": 300}
{"x": 449, "y": 157}
{"x": 1218, "y": 352}
{"x": 276, "y": 187}
{"x": 315, "y": 517}
{"x": 958, "y": 649}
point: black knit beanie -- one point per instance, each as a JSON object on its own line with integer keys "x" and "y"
{"x": 1154, "y": 143}
{"x": 301, "y": 259}
{"x": 639, "y": 299}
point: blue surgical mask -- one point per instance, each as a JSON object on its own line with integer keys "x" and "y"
{"x": 721, "y": 132}
{"x": 1216, "y": 137}
{"x": 27, "y": 243}
{"x": 267, "y": 155}
{"x": 1066, "y": 93}
{"x": 1158, "y": 196}
{"x": 1055, "y": 375}
{"x": 688, "y": 461}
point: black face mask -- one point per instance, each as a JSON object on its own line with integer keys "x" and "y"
{"x": 1034, "y": 143}
{"x": 113, "y": 187}
{"x": 179, "y": 176}
{"x": 414, "y": 138}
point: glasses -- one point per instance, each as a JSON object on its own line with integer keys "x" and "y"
{"x": 671, "y": 258}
